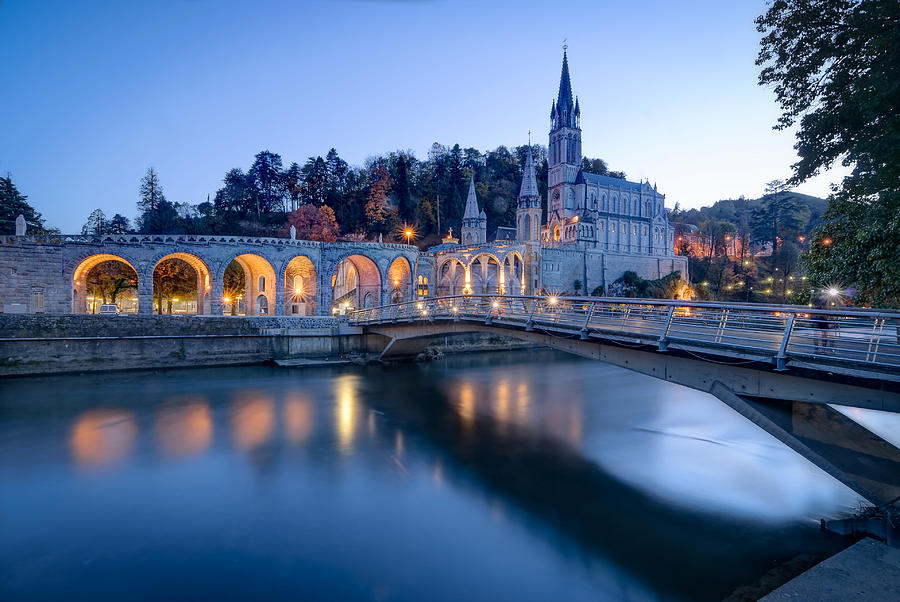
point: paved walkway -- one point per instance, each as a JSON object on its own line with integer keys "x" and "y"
{"x": 868, "y": 570}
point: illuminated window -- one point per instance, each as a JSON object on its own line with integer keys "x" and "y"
{"x": 422, "y": 286}
{"x": 634, "y": 230}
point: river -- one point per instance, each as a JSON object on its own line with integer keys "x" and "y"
{"x": 528, "y": 475}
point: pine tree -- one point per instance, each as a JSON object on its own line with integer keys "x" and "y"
{"x": 13, "y": 204}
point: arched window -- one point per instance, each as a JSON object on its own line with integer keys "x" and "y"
{"x": 298, "y": 284}
{"x": 262, "y": 283}
{"x": 262, "y": 306}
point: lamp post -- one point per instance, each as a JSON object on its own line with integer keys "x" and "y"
{"x": 408, "y": 232}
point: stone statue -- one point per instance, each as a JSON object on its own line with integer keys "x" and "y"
{"x": 293, "y": 232}
{"x": 379, "y": 237}
{"x": 20, "y": 225}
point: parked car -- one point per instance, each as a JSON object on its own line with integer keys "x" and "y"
{"x": 108, "y": 309}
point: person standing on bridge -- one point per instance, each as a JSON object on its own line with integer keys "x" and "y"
{"x": 822, "y": 324}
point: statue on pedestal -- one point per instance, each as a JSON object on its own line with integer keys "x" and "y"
{"x": 293, "y": 232}
{"x": 20, "y": 225}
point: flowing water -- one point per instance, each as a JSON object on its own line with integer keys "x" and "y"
{"x": 527, "y": 475}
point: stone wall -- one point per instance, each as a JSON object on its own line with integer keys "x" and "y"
{"x": 34, "y": 344}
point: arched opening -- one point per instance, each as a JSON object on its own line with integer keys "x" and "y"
{"x": 355, "y": 283}
{"x": 514, "y": 274}
{"x": 300, "y": 287}
{"x": 180, "y": 285}
{"x": 451, "y": 278}
{"x": 400, "y": 281}
{"x": 484, "y": 275}
{"x": 246, "y": 278}
{"x": 104, "y": 278}
{"x": 526, "y": 227}
{"x": 557, "y": 235}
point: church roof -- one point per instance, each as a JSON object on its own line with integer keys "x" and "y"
{"x": 529, "y": 182}
{"x": 504, "y": 233}
{"x": 471, "y": 202}
{"x": 598, "y": 180}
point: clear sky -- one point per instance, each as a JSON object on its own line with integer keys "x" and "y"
{"x": 92, "y": 93}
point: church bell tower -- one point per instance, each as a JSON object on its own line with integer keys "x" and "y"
{"x": 564, "y": 152}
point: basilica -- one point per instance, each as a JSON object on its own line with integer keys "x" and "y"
{"x": 597, "y": 227}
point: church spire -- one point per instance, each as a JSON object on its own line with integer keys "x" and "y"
{"x": 565, "y": 86}
{"x": 471, "y": 202}
{"x": 529, "y": 182}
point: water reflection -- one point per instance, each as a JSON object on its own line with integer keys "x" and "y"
{"x": 103, "y": 437}
{"x": 299, "y": 416}
{"x": 345, "y": 390}
{"x": 252, "y": 420}
{"x": 527, "y": 476}
{"x": 184, "y": 429}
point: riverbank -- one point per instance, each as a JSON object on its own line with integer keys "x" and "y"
{"x": 53, "y": 344}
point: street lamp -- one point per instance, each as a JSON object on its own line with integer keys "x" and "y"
{"x": 408, "y": 232}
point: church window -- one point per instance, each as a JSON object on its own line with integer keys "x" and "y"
{"x": 262, "y": 283}
{"x": 612, "y": 227}
{"x": 556, "y": 234}
{"x": 634, "y": 230}
{"x": 600, "y": 227}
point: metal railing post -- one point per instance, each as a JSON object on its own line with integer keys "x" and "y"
{"x": 781, "y": 357}
{"x": 529, "y": 325}
{"x": 585, "y": 333}
{"x": 663, "y": 343}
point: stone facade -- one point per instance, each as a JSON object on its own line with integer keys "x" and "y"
{"x": 598, "y": 227}
{"x": 46, "y": 274}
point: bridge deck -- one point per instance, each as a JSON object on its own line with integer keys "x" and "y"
{"x": 852, "y": 341}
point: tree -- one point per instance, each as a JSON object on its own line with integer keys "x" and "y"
{"x": 119, "y": 224}
{"x": 158, "y": 215}
{"x": 777, "y": 216}
{"x": 834, "y": 66}
{"x": 313, "y": 223}
{"x": 405, "y": 207}
{"x": 96, "y": 224}
{"x": 13, "y": 204}
{"x": 378, "y": 214}
{"x": 110, "y": 279}
{"x": 173, "y": 278}
{"x": 268, "y": 184}
{"x": 151, "y": 192}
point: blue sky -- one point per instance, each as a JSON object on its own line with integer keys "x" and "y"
{"x": 95, "y": 92}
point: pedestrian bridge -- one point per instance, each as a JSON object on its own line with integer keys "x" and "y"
{"x": 782, "y": 367}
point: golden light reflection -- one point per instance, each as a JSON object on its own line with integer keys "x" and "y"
{"x": 103, "y": 437}
{"x": 252, "y": 421}
{"x": 184, "y": 430}
{"x": 298, "y": 417}
{"x": 345, "y": 412}
{"x": 467, "y": 404}
{"x": 501, "y": 403}
{"x": 523, "y": 400}
{"x": 399, "y": 446}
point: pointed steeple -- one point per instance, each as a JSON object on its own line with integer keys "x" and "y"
{"x": 564, "y": 102}
{"x": 553, "y": 109}
{"x": 471, "y": 202}
{"x": 577, "y": 108}
{"x": 529, "y": 182}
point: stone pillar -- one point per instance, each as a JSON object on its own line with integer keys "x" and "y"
{"x": 200, "y": 293}
{"x": 279, "y": 285}
{"x": 145, "y": 294}
{"x": 217, "y": 293}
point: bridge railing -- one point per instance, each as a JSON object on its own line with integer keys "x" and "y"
{"x": 779, "y": 333}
